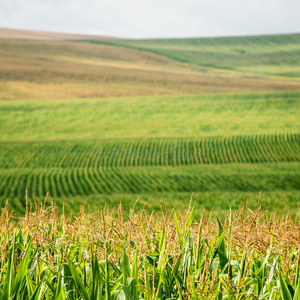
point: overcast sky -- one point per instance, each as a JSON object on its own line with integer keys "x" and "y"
{"x": 153, "y": 18}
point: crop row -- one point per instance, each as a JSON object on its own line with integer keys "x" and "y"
{"x": 82, "y": 182}
{"x": 151, "y": 152}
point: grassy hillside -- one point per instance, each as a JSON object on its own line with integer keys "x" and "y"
{"x": 145, "y": 117}
{"x": 68, "y": 70}
{"x": 105, "y": 150}
{"x": 274, "y": 54}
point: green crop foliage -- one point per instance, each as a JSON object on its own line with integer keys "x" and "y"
{"x": 244, "y": 255}
{"x": 67, "y": 169}
{"x": 139, "y": 117}
{"x": 150, "y": 147}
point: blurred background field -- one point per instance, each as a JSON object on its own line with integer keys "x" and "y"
{"x": 94, "y": 121}
{"x": 273, "y": 54}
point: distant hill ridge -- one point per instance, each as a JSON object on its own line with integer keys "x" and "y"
{"x": 19, "y": 34}
{"x": 267, "y": 54}
{"x": 41, "y": 65}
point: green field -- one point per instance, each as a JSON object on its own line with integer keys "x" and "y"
{"x": 100, "y": 151}
{"x": 274, "y": 54}
{"x": 104, "y": 121}
{"x": 140, "y": 117}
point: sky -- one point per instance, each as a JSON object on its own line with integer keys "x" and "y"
{"x": 153, "y": 18}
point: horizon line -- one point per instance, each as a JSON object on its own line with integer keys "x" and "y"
{"x": 95, "y": 35}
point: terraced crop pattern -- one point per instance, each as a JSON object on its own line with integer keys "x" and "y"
{"x": 104, "y": 121}
{"x": 83, "y": 148}
{"x": 102, "y": 154}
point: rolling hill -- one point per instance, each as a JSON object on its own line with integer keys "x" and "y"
{"x": 35, "y": 69}
{"x": 99, "y": 121}
{"x": 270, "y": 54}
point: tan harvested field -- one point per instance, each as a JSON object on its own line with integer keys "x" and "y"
{"x": 76, "y": 69}
{"x": 7, "y": 33}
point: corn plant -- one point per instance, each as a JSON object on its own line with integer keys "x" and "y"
{"x": 243, "y": 255}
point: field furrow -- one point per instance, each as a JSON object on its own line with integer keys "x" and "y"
{"x": 62, "y": 183}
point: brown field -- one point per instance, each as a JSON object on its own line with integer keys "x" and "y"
{"x": 75, "y": 69}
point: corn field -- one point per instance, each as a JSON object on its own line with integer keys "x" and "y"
{"x": 70, "y": 168}
{"x": 156, "y": 147}
{"x": 114, "y": 254}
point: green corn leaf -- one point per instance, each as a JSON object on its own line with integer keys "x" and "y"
{"x": 125, "y": 266}
{"x": 36, "y": 294}
{"x": 59, "y": 292}
{"x": 162, "y": 247}
{"x": 297, "y": 292}
{"x": 51, "y": 287}
{"x": 29, "y": 283}
{"x": 284, "y": 290}
{"x": 272, "y": 269}
{"x": 78, "y": 281}
{"x": 9, "y": 277}
{"x": 178, "y": 230}
{"x": 131, "y": 285}
{"x": 187, "y": 259}
{"x": 97, "y": 286}
{"x": 223, "y": 260}
{"x": 107, "y": 283}
{"x": 221, "y": 245}
{"x": 134, "y": 267}
{"x": 119, "y": 295}
{"x": 22, "y": 270}
{"x": 190, "y": 218}
{"x": 126, "y": 291}
{"x": 221, "y": 241}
